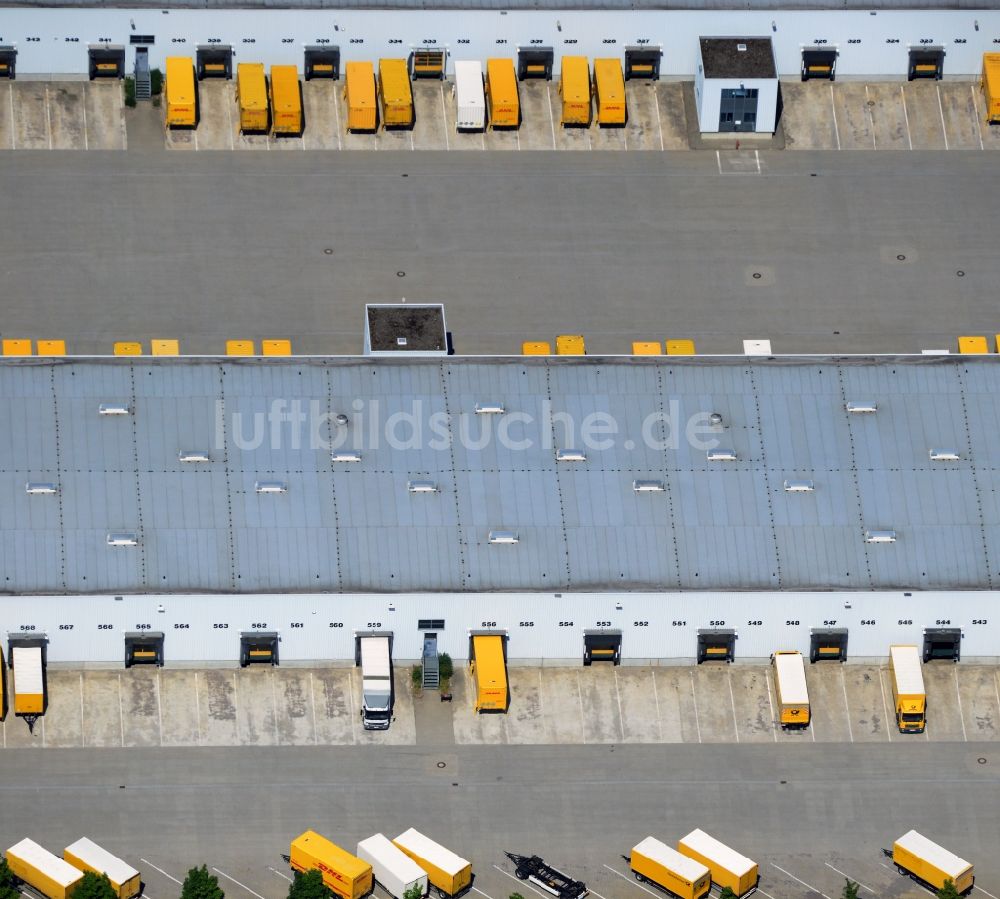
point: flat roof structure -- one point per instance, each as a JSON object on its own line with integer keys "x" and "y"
{"x": 351, "y": 523}
{"x": 738, "y": 57}
{"x": 464, "y": 5}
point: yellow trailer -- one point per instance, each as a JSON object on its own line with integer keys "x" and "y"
{"x": 40, "y": 869}
{"x": 394, "y": 94}
{"x": 790, "y": 685}
{"x": 728, "y": 867}
{"x": 908, "y": 694}
{"x": 86, "y": 855}
{"x": 181, "y": 99}
{"x": 286, "y": 101}
{"x": 448, "y": 873}
{"x": 991, "y": 87}
{"x": 251, "y": 94}
{"x": 609, "y": 92}
{"x": 574, "y": 88}
{"x": 28, "y": 668}
{"x": 502, "y": 102}
{"x": 489, "y": 671}
{"x": 345, "y": 874}
{"x": 656, "y": 863}
{"x": 359, "y": 91}
{"x": 930, "y": 864}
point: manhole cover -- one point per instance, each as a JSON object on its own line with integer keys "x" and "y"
{"x": 981, "y": 760}
{"x": 756, "y": 276}
{"x": 404, "y": 175}
{"x": 871, "y": 104}
{"x": 328, "y": 251}
{"x": 960, "y": 273}
{"x": 442, "y": 765}
{"x": 900, "y": 257}
{"x": 400, "y": 274}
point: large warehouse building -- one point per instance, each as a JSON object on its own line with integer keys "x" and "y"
{"x": 672, "y": 508}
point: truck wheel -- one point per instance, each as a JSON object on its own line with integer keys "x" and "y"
{"x": 441, "y": 893}
{"x": 520, "y": 874}
{"x": 638, "y": 877}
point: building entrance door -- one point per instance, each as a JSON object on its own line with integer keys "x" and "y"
{"x": 738, "y": 109}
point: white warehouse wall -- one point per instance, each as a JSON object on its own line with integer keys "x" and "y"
{"x": 54, "y": 41}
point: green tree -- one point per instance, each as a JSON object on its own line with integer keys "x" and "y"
{"x": 850, "y": 889}
{"x": 7, "y": 888}
{"x": 948, "y": 891}
{"x": 727, "y": 893}
{"x": 515, "y": 896}
{"x": 414, "y": 892}
{"x": 308, "y": 886}
{"x": 199, "y": 884}
{"x": 94, "y": 886}
{"x": 445, "y": 666}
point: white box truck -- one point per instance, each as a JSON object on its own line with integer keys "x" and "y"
{"x": 470, "y": 99}
{"x": 376, "y": 682}
{"x": 394, "y": 870}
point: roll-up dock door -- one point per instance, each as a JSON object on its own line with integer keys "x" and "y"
{"x": 8, "y": 61}
{"x": 214, "y": 61}
{"x": 535, "y": 62}
{"x": 258, "y": 647}
{"x": 144, "y": 648}
{"x": 926, "y": 62}
{"x": 942, "y": 644}
{"x": 716, "y": 646}
{"x": 819, "y": 62}
{"x": 643, "y": 62}
{"x": 602, "y": 646}
{"x": 828, "y": 644}
{"x": 322, "y": 62}
{"x": 428, "y": 63}
{"x": 106, "y": 61}
{"x": 27, "y": 666}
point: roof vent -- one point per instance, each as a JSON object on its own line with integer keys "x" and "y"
{"x": 721, "y": 455}
{"x": 122, "y": 538}
{"x": 880, "y": 536}
{"x": 647, "y": 486}
{"x": 345, "y": 457}
{"x": 489, "y": 409}
{"x": 421, "y": 487}
{"x": 193, "y": 456}
{"x": 742, "y": 48}
{"x": 341, "y": 420}
{"x": 506, "y": 537}
{"x": 271, "y": 487}
{"x": 33, "y": 488}
{"x": 715, "y": 419}
{"x": 570, "y": 455}
{"x": 113, "y": 409}
{"x": 799, "y": 485}
{"x": 944, "y": 455}
{"x": 861, "y": 408}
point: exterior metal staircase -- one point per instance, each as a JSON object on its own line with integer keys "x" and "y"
{"x": 431, "y": 674}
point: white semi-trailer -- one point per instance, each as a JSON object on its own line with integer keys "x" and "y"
{"x": 376, "y": 682}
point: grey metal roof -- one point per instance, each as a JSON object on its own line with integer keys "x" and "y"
{"x": 466, "y": 5}
{"x": 355, "y": 527}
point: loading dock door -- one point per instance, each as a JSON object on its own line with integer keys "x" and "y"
{"x": 828, "y": 644}
{"x": 818, "y": 63}
{"x": 602, "y": 646}
{"x": 322, "y": 62}
{"x": 427, "y": 63}
{"x": 106, "y": 61}
{"x": 716, "y": 646}
{"x": 643, "y": 62}
{"x": 926, "y": 62}
{"x": 258, "y": 647}
{"x": 535, "y": 62}
{"x": 144, "y": 648}
{"x": 214, "y": 61}
{"x": 942, "y": 644}
{"x": 738, "y": 109}
{"x": 8, "y": 61}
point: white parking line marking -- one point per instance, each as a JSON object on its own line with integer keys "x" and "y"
{"x": 276, "y": 871}
{"x": 598, "y": 895}
{"x": 961, "y": 712}
{"x": 197, "y": 705}
{"x": 659, "y": 124}
{"x": 82, "y": 735}
{"x": 312, "y": 702}
{"x": 944, "y": 128}
{"x": 13, "y": 129}
{"x": 996, "y": 689}
{"x": 481, "y": 893}
{"x": 145, "y": 895}
{"x": 336, "y": 117}
{"x": 906, "y": 117}
{"x": 234, "y": 880}
{"x": 86, "y": 143}
{"x": 121, "y": 709}
{"x": 871, "y": 118}
{"x": 274, "y": 710}
{"x": 618, "y": 696}
{"x": 847, "y": 705}
{"x": 229, "y": 118}
{"x": 528, "y": 885}
{"x": 552, "y": 121}
{"x": 634, "y": 883}
{"x": 656, "y": 699}
{"x": 885, "y": 708}
{"x": 806, "y": 885}
{"x": 774, "y": 728}
{"x": 975, "y": 105}
{"x": 732, "y": 702}
{"x": 48, "y": 115}
{"x": 848, "y": 876}
{"x": 836, "y": 127}
{"x": 756, "y": 155}
{"x": 579, "y": 693}
{"x": 159, "y": 705}
{"x": 718, "y": 160}
{"x": 444, "y": 118}
{"x": 236, "y": 706}
{"x": 146, "y": 861}
{"x": 694, "y": 698}
{"x": 981, "y": 890}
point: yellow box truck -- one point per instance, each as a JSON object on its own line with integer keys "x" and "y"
{"x": 489, "y": 673}
{"x": 503, "y": 105}
{"x": 930, "y": 864}
{"x": 86, "y": 855}
{"x": 574, "y": 89}
{"x": 286, "y": 101}
{"x": 656, "y": 863}
{"x": 449, "y": 874}
{"x": 251, "y": 94}
{"x": 345, "y": 874}
{"x": 395, "y": 97}
{"x": 790, "y": 685}
{"x": 43, "y": 871}
{"x": 908, "y": 695}
{"x": 28, "y": 669}
{"x": 181, "y": 99}
{"x": 609, "y": 92}
{"x": 359, "y": 92}
{"x": 728, "y": 867}
{"x": 991, "y": 87}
